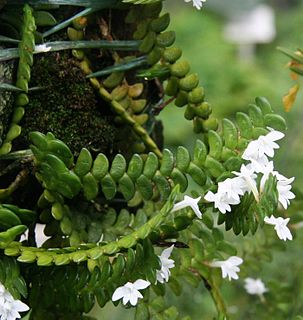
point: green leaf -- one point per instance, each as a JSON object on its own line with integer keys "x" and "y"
{"x": 44, "y": 18}
{"x": 135, "y": 167}
{"x": 84, "y": 163}
{"x": 182, "y": 159}
{"x": 100, "y": 166}
{"x": 151, "y": 165}
{"x": 227, "y": 248}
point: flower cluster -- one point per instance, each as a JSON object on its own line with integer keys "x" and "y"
{"x": 130, "y": 291}
{"x": 229, "y": 193}
{"x": 9, "y": 307}
{"x": 230, "y": 190}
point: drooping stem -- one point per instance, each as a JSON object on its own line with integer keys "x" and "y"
{"x": 119, "y": 110}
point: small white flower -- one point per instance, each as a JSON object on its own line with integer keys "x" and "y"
{"x": 189, "y": 202}
{"x": 166, "y": 264}
{"x": 283, "y": 187}
{"x": 9, "y": 307}
{"x": 42, "y": 48}
{"x": 220, "y": 201}
{"x": 196, "y": 3}
{"x": 262, "y": 147}
{"x": 130, "y": 292}
{"x": 283, "y": 183}
{"x": 228, "y": 267}
{"x": 255, "y": 286}
{"x": 232, "y": 188}
{"x": 280, "y": 226}
{"x": 266, "y": 170}
{"x": 249, "y": 180}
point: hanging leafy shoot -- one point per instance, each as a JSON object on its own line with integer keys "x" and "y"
{"x": 82, "y": 155}
{"x": 26, "y": 47}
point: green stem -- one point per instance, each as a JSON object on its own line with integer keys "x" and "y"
{"x": 217, "y": 298}
{"x": 4, "y": 193}
{"x": 17, "y": 155}
{"x": 47, "y": 257}
{"x": 119, "y": 110}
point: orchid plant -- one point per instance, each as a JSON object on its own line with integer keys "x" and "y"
{"x": 81, "y": 154}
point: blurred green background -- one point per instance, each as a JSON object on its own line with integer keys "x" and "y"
{"x": 231, "y": 84}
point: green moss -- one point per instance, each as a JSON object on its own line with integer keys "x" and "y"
{"x": 67, "y": 106}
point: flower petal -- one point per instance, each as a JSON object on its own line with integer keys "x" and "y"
{"x": 167, "y": 252}
{"x": 119, "y": 293}
{"x": 134, "y": 298}
{"x": 141, "y": 284}
{"x": 234, "y": 260}
{"x": 20, "y": 306}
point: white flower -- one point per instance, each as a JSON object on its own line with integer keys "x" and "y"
{"x": 283, "y": 187}
{"x": 280, "y": 226}
{"x": 262, "y": 147}
{"x": 130, "y": 292}
{"x": 232, "y": 188}
{"x": 248, "y": 177}
{"x": 254, "y": 286}
{"x": 266, "y": 170}
{"x": 220, "y": 201}
{"x": 196, "y": 3}
{"x": 42, "y": 48}
{"x": 189, "y": 202}
{"x": 283, "y": 183}
{"x": 228, "y": 267}
{"x": 166, "y": 264}
{"x": 9, "y": 307}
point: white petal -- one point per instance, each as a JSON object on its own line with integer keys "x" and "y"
{"x": 126, "y": 299}
{"x": 134, "y": 298}
{"x": 119, "y": 293}
{"x": 275, "y": 135}
{"x": 20, "y": 306}
{"x": 159, "y": 276}
{"x": 141, "y": 284}
{"x": 234, "y": 260}
{"x": 210, "y": 196}
{"x": 233, "y": 275}
{"x": 167, "y": 252}
{"x": 224, "y": 272}
{"x": 270, "y": 220}
{"x": 283, "y": 233}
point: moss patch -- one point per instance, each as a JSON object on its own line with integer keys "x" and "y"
{"x": 67, "y": 106}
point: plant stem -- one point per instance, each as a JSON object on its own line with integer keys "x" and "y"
{"x": 217, "y": 298}
{"x": 17, "y": 155}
